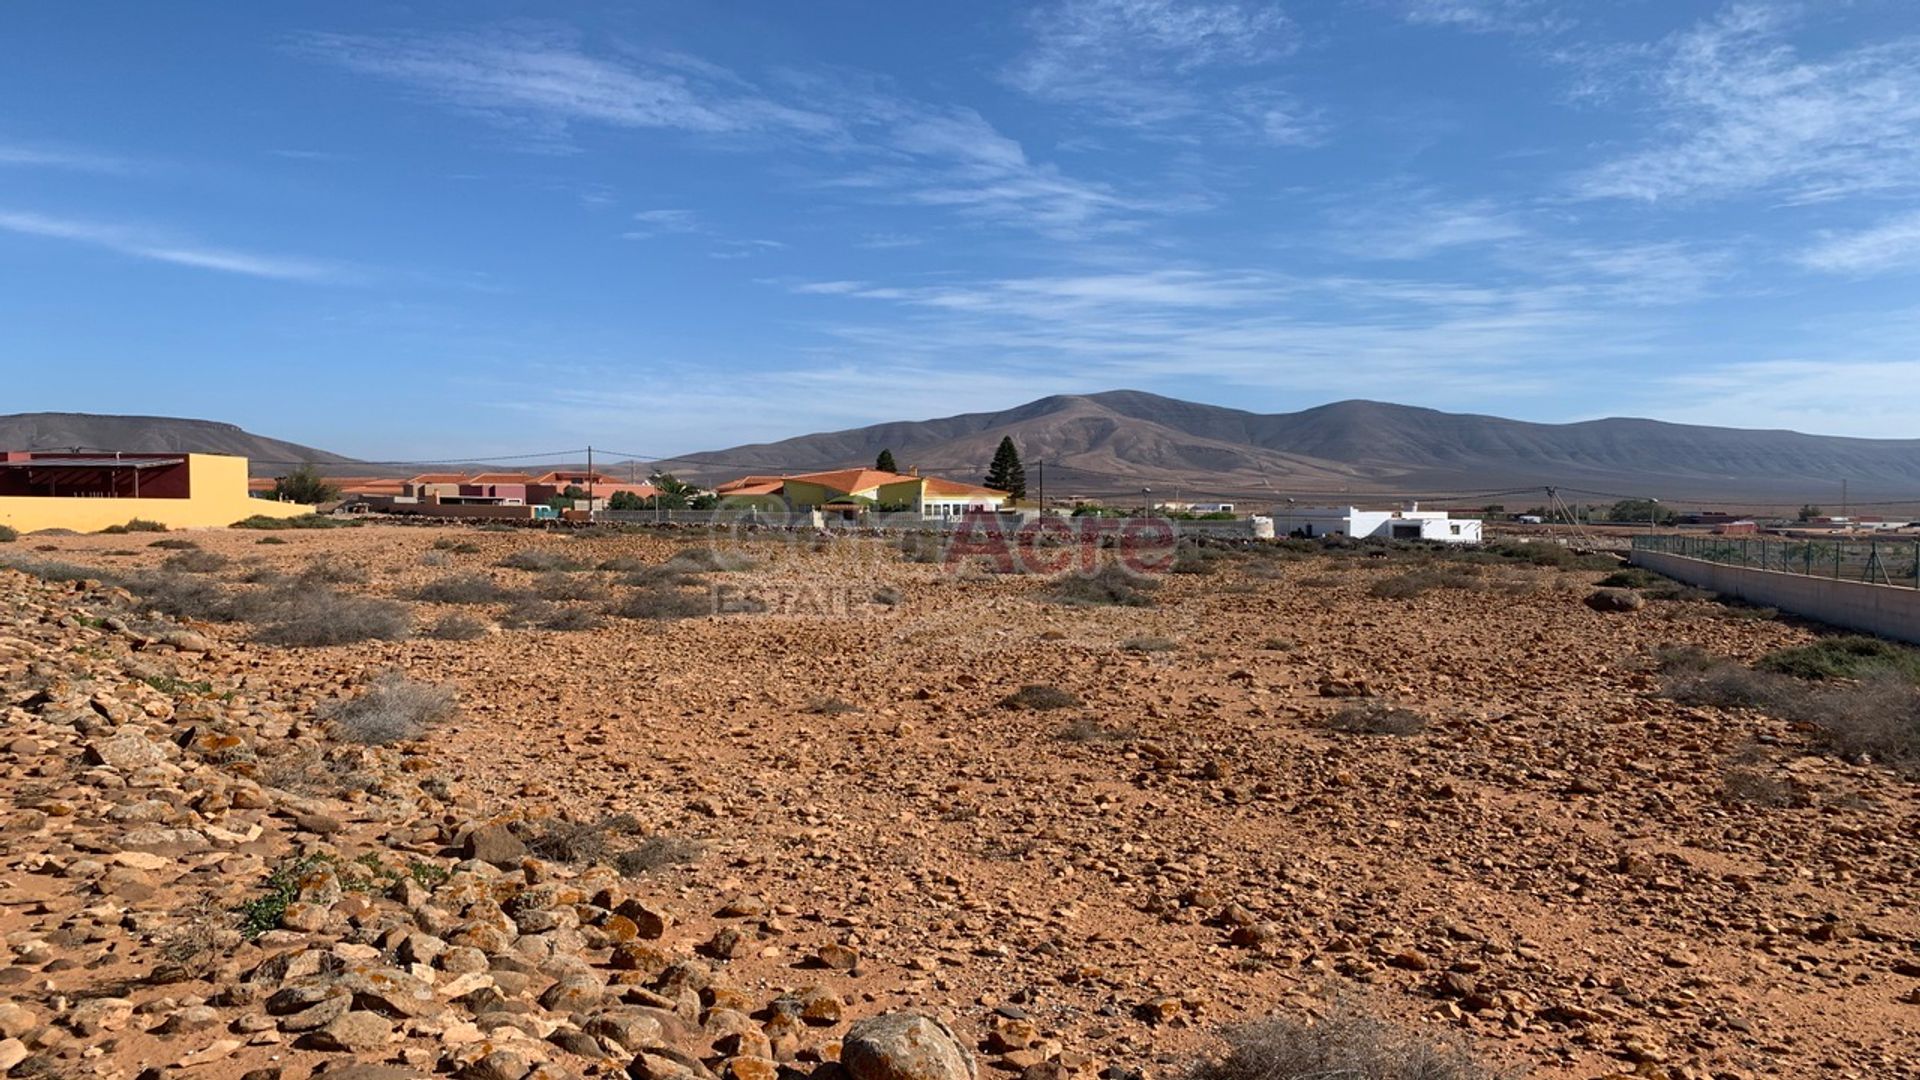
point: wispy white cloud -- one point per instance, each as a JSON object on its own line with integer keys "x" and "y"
{"x": 542, "y": 84}
{"x": 540, "y": 81}
{"x": 148, "y": 244}
{"x": 1416, "y": 225}
{"x": 1875, "y": 398}
{"x": 1890, "y": 244}
{"x": 59, "y": 157}
{"x": 1334, "y": 335}
{"x": 1139, "y": 63}
{"x": 654, "y": 223}
{"x": 1487, "y": 16}
{"x": 1744, "y": 111}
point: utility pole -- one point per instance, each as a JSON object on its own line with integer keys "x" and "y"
{"x": 1040, "y": 476}
{"x": 1843, "y": 499}
{"x": 589, "y": 482}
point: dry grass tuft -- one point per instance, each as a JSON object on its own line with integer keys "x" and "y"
{"x": 393, "y": 708}
{"x": 1112, "y": 584}
{"x": 465, "y": 589}
{"x": 1377, "y": 718}
{"x": 1088, "y": 730}
{"x": 662, "y": 602}
{"x": 1040, "y": 697}
{"x": 542, "y": 562}
{"x": 319, "y": 616}
{"x": 1344, "y": 1046}
{"x": 457, "y": 626}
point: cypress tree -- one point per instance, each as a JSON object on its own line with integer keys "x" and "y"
{"x": 884, "y": 462}
{"x": 1006, "y": 473}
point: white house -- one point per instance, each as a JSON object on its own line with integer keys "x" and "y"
{"x": 1411, "y": 523}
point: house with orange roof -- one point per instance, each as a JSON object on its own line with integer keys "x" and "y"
{"x": 853, "y": 493}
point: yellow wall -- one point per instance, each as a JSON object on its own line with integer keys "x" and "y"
{"x": 803, "y": 493}
{"x": 218, "y": 484}
{"x": 901, "y": 493}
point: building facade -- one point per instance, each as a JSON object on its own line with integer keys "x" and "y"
{"x": 90, "y": 492}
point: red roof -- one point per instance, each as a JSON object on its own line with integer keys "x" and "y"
{"x": 852, "y": 480}
{"x": 939, "y": 486}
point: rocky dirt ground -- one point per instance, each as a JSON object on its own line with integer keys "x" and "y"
{"x": 829, "y": 813}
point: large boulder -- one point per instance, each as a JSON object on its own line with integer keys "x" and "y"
{"x": 1615, "y": 600}
{"x": 904, "y": 1046}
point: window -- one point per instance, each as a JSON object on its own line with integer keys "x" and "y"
{"x": 1455, "y": 529}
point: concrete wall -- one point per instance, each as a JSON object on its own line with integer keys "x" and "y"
{"x": 1886, "y": 610}
{"x": 217, "y": 486}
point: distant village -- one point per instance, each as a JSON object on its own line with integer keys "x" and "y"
{"x": 88, "y": 492}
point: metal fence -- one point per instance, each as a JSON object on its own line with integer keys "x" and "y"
{"x": 1880, "y": 562}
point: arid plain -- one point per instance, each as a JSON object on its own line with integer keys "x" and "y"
{"x": 1442, "y": 791}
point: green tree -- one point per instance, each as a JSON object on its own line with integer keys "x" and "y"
{"x": 884, "y": 462}
{"x": 304, "y": 485}
{"x": 1633, "y": 510}
{"x": 626, "y": 500}
{"x": 565, "y": 500}
{"x": 1006, "y": 473}
{"x": 677, "y": 494}
{"x": 1809, "y": 512}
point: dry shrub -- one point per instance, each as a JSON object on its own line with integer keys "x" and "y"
{"x": 656, "y": 853}
{"x": 1752, "y": 787}
{"x": 1845, "y": 656}
{"x": 330, "y": 570}
{"x": 175, "y": 543}
{"x": 195, "y": 562}
{"x": 1039, "y": 696}
{"x": 1111, "y": 584}
{"x": 1190, "y": 558}
{"x": 457, "y": 547}
{"x": 318, "y": 616}
{"x": 1377, "y": 718}
{"x": 623, "y": 564}
{"x": 662, "y": 602}
{"x": 1088, "y": 730}
{"x": 708, "y": 560}
{"x": 542, "y": 615}
{"x": 1424, "y": 580}
{"x": 557, "y": 586}
{"x": 1877, "y": 718}
{"x": 1344, "y": 1046}
{"x": 462, "y": 589}
{"x": 579, "y": 842}
{"x": 137, "y": 525}
{"x": 393, "y": 708}
{"x": 457, "y": 626}
{"x": 1149, "y": 645}
{"x": 1698, "y": 680}
{"x": 830, "y": 706}
{"x": 185, "y": 597}
{"x": 920, "y": 547}
{"x": 194, "y": 947}
{"x": 543, "y": 562}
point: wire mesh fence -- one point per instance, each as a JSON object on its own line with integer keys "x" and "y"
{"x": 1877, "y": 561}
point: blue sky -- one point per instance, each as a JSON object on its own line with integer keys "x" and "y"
{"x": 444, "y": 229}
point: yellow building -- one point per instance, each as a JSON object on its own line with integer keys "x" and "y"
{"x": 89, "y": 492}
{"x": 854, "y": 492}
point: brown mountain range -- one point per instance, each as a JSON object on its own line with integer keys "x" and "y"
{"x": 1117, "y": 442}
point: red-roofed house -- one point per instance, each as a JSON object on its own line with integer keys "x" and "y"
{"x": 851, "y": 493}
